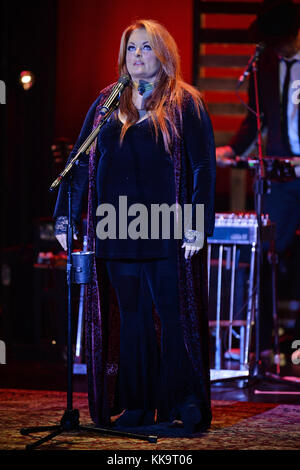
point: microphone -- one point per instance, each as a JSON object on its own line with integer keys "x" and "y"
{"x": 258, "y": 51}
{"x": 115, "y": 94}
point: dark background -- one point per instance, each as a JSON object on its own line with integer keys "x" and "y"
{"x": 72, "y": 49}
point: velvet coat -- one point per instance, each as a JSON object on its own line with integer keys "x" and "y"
{"x": 192, "y": 184}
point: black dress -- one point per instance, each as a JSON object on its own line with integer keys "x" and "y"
{"x": 152, "y": 375}
{"x": 130, "y": 171}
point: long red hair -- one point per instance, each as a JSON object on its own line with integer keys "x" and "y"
{"x": 168, "y": 92}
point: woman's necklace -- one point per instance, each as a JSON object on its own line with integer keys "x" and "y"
{"x": 144, "y": 89}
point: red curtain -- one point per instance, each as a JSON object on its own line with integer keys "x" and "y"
{"x": 88, "y": 44}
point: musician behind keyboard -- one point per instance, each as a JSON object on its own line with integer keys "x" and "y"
{"x": 277, "y": 26}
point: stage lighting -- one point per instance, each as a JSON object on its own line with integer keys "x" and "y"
{"x": 26, "y": 79}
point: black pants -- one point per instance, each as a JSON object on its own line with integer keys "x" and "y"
{"x": 151, "y": 375}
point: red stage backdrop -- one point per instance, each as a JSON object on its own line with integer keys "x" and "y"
{"x": 88, "y": 44}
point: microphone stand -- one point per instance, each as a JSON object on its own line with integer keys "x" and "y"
{"x": 70, "y": 419}
{"x": 259, "y": 189}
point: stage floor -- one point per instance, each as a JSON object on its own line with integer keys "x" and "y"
{"x": 236, "y": 426}
{"x": 32, "y": 392}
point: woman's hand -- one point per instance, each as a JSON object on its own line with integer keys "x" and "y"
{"x": 61, "y": 231}
{"x": 62, "y": 239}
{"x": 193, "y": 242}
{"x": 190, "y": 250}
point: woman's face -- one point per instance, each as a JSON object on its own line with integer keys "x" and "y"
{"x": 141, "y": 62}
